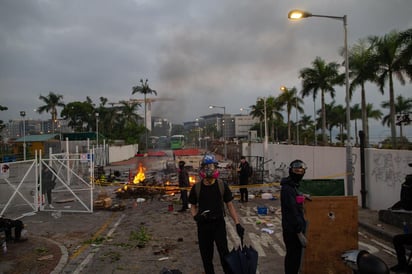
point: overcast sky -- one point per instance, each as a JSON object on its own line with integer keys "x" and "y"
{"x": 219, "y": 52}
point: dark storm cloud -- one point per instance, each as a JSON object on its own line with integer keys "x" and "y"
{"x": 196, "y": 52}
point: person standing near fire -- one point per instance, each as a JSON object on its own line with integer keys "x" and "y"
{"x": 183, "y": 184}
{"x": 207, "y": 199}
{"x": 244, "y": 173}
{"x": 293, "y": 221}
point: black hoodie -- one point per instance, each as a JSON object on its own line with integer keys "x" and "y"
{"x": 292, "y": 213}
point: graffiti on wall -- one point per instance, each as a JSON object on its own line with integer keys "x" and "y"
{"x": 389, "y": 169}
{"x": 279, "y": 171}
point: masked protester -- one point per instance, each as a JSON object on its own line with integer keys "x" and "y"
{"x": 7, "y": 226}
{"x": 183, "y": 183}
{"x": 293, "y": 222}
{"x": 244, "y": 173}
{"x": 207, "y": 199}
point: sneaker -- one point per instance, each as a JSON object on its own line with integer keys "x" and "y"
{"x": 51, "y": 206}
{"x": 399, "y": 268}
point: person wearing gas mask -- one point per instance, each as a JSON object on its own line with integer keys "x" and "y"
{"x": 207, "y": 199}
{"x": 293, "y": 221}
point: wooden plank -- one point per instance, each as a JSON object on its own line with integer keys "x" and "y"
{"x": 332, "y": 230}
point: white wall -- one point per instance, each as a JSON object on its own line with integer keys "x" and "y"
{"x": 120, "y": 153}
{"x": 385, "y": 170}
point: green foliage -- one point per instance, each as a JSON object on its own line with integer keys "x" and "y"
{"x": 141, "y": 236}
{"x": 96, "y": 241}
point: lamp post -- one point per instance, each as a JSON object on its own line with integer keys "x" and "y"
{"x": 265, "y": 144}
{"x": 197, "y": 124}
{"x": 23, "y": 114}
{"x": 298, "y": 14}
{"x": 223, "y": 128}
{"x": 283, "y": 88}
{"x": 97, "y": 129}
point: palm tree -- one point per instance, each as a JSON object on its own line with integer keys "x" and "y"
{"x": 355, "y": 114}
{"x": 273, "y": 111}
{"x": 307, "y": 125}
{"x": 405, "y": 38}
{"x": 129, "y": 112}
{"x": 290, "y": 98}
{"x": 388, "y": 51}
{"x": 373, "y": 113}
{"x": 144, "y": 89}
{"x": 401, "y": 106}
{"x": 363, "y": 66}
{"x": 321, "y": 77}
{"x": 52, "y": 101}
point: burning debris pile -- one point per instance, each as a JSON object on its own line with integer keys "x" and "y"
{"x": 140, "y": 186}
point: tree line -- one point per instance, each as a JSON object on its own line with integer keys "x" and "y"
{"x": 375, "y": 59}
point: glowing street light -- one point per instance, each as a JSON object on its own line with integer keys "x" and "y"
{"x": 224, "y": 127}
{"x": 297, "y": 15}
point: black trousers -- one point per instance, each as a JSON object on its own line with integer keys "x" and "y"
{"x": 8, "y": 225}
{"x": 399, "y": 242}
{"x": 293, "y": 252}
{"x": 183, "y": 196}
{"x": 208, "y": 234}
{"x": 48, "y": 193}
{"x": 244, "y": 195}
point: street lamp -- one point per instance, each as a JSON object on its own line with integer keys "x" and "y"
{"x": 224, "y": 128}
{"x": 23, "y": 114}
{"x": 298, "y": 14}
{"x": 198, "y": 131}
{"x": 265, "y": 144}
{"x": 283, "y": 89}
{"x": 97, "y": 129}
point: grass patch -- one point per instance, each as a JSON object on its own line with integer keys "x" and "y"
{"x": 41, "y": 250}
{"x": 141, "y": 236}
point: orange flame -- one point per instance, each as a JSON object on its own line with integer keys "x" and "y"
{"x": 139, "y": 177}
{"x": 192, "y": 179}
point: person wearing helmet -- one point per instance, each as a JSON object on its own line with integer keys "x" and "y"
{"x": 207, "y": 199}
{"x": 183, "y": 183}
{"x": 293, "y": 222}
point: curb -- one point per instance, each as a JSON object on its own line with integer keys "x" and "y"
{"x": 63, "y": 259}
{"x": 379, "y": 232}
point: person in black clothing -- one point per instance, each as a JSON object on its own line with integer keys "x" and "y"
{"x": 7, "y": 226}
{"x": 207, "y": 208}
{"x": 48, "y": 181}
{"x": 183, "y": 183}
{"x": 243, "y": 171}
{"x": 293, "y": 221}
{"x": 399, "y": 242}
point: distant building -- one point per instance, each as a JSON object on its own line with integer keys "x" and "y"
{"x": 237, "y": 126}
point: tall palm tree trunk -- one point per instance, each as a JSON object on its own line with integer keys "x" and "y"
{"x": 324, "y": 139}
{"x": 365, "y": 127}
{"x": 392, "y": 110}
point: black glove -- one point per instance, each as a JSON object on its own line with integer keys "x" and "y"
{"x": 240, "y": 230}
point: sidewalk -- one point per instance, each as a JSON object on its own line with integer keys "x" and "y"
{"x": 369, "y": 220}
{"x": 45, "y": 255}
